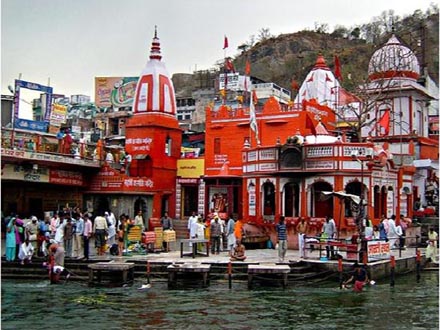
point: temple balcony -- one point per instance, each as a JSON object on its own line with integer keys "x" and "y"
{"x": 30, "y": 147}
{"x": 311, "y": 158}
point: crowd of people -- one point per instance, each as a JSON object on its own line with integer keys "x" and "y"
{"x": 67, "y": 233}
{"x": 224, "y": 236}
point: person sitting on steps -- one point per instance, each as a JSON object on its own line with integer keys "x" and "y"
{"x": 238, "y": 253}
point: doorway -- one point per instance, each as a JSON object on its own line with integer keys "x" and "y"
{"x": 36, "y": 207}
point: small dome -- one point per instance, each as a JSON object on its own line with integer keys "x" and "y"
{"x": 393, "y": 60}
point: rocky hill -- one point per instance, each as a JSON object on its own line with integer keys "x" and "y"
{"x": 290, "y": 57}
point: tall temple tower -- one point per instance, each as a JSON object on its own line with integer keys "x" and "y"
{"x": 153, "y": 136}
{"x": 401, "y": 109}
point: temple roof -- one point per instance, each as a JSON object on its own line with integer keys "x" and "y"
{"x": 393, "y": 60}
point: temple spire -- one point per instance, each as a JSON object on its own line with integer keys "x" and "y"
{"x": 155, "y": 47}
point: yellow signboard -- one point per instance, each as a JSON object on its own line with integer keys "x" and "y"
{"x": 190, "y": 168}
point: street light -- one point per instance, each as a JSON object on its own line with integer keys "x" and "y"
{"x": 355, "y": 155}
{"x": 14, "y": 105}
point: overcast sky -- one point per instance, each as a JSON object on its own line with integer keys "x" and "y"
{"x": 73, "y": 41}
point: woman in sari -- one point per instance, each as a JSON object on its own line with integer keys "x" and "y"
{"x": 10, "y": 240}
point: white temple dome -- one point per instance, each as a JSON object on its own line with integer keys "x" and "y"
{"x": 319, "y": 84}
{"x": 155, "y": 89}
{"x": 393, "y": 60}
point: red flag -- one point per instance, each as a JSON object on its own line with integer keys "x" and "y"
{"x": 247, "y": 69}
{"x": 345, "y": 97}
{"x": 229, "y": 66}
{"x": 310, "y": 125}
{"x": 254, "y": 97}
{"x": 225, "y": 44}
{"x": 294, "y": 85}
{"x": 338, "y": 74}
{"x": 385, "y": 121}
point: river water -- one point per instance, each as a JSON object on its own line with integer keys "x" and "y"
{"x": 31, "y": 305}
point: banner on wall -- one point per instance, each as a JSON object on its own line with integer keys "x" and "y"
{"x": 252, "y": 199}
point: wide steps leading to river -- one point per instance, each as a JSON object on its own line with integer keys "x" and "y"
{"x": 79, "y": 269}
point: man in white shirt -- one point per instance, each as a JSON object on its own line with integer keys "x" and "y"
{"x": 26, "y": 252}
{"x": 139, "y": 220}
{"x": 192, "y": 226}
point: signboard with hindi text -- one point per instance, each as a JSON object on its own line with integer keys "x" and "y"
{"x": 378, "y": 250}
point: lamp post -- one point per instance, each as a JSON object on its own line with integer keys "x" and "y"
{"x": 14, "y": 105}
{"x": 361, "y": 215}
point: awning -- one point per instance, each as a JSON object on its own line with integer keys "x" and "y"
{"x": 50, "y": 139}
{"x": 114, "y": 147}
{"x": 116, "y": 137}
{"x": 141, "y": 156}
{"x": 340, "y": 194}
{"x": 425, "y": 164}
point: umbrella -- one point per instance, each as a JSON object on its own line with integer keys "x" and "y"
{"x": 342, "y": 196}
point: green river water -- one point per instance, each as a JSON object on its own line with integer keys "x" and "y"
{"x": 28, "y": 305}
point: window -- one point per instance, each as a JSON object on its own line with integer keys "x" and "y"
{"x": 168, "y": 145}
{"x": 143, "y": 166}
{"x": 217, "y": 143}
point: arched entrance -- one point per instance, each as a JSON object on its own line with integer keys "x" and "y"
{"x": 269, "y": 201}
{"x": 320, "y": 208}
{"x": 291, "y": 200}
{"x": 352, "y": 209}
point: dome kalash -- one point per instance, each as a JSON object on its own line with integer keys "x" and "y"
{"x": 393, "y": 60}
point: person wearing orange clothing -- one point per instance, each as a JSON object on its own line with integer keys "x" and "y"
{"x": 99, "y": 151}
{"x": 238, "y": 230}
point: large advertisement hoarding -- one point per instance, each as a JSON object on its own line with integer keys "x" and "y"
{"x": 59, "y": 114}
{"x": 34, "y": 87}
{"x": 234, "y": 82}
{"x": 115, "y": 91}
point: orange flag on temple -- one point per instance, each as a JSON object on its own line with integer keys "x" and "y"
{"x": 225, "y": 43}
{"x": 294, "y": 85}
{"x": 338, "y": 74}
{"x": 385, "y": 121}
{"x": 247, "y": 69}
